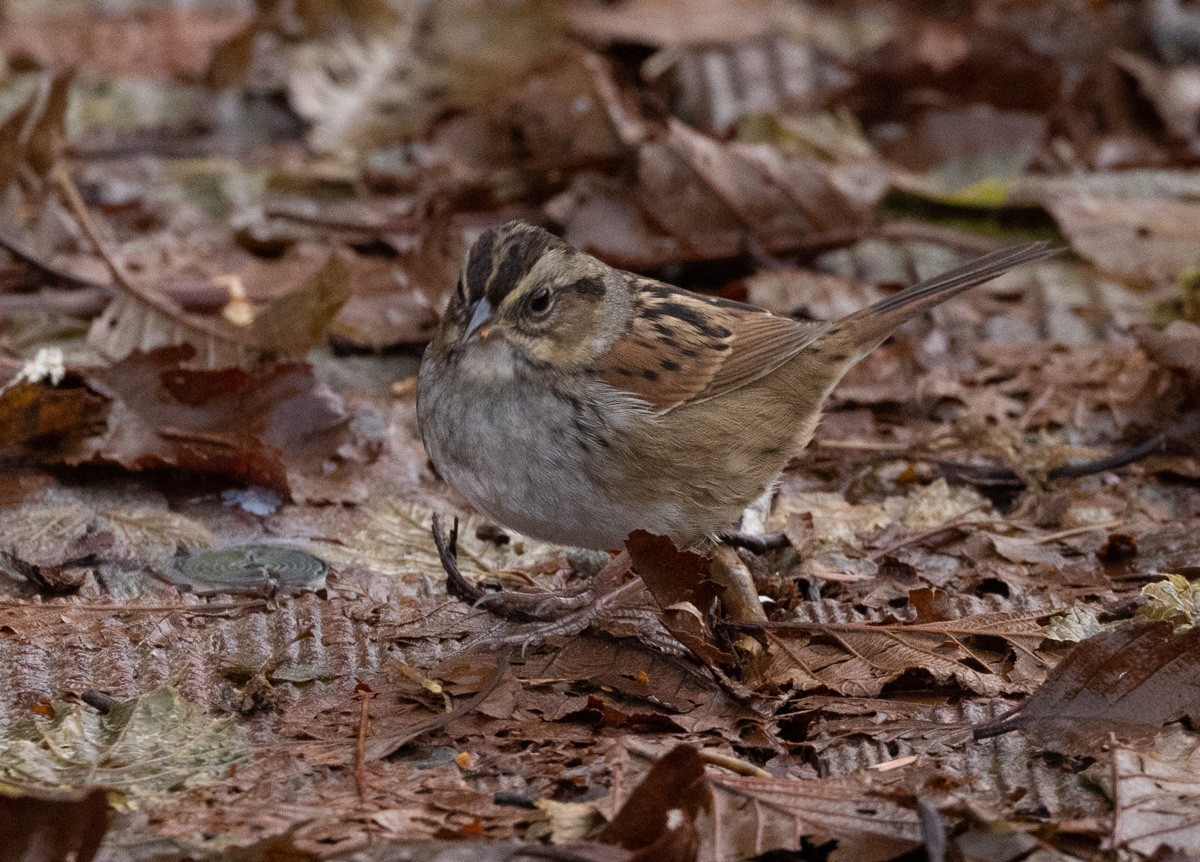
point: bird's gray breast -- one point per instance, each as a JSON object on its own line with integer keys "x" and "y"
{"x": 525, "y": 448}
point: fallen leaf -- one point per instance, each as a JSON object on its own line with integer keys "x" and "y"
{"x": 1155, "y": 794}
{"x": 263, "y": 427}
{"x": 1128, "y": 681}
{"x": 659, "y": 816}
{"x": 695, "y": 198}
{"x": 141, "y": 319}
{"x": 385, "y": 80}
{"x": 152, "y": 745}
{"x": 1147, "y": 238}
{"x": 1175, "y": 600}
{"x": 677, "y": 579}
{"x": 47, "y": 826}
{"x": 753, "y": 815}
{"x": 1174, "y": 92}
{"x": 858, "y": 660}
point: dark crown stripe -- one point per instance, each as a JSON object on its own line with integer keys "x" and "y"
{"x": 518, "y": 248}
{"x": 479, "y": 264}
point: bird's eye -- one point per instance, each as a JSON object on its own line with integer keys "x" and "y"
{"x": 539, "y": 301}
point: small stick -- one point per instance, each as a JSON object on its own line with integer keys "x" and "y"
{"x": 733, "y": 764}
{"x": 360, "y": 745}
{"x": 88, "y": 225}
{"x": 1077, "y": 531}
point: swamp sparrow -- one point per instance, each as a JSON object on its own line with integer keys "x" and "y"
{"x": 576, "y": 403}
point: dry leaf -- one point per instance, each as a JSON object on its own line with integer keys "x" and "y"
{"x": 1156, "y": 794}
{"x": 51, "y": 825}
{"x": 32, "y": 135}
{"x": 384, "y": 82}
{"x": 1135, "y": 237}
{"x": 1129, "y": 681}
{"x": 263, "y": 427}
{"x": 858, "y": 660}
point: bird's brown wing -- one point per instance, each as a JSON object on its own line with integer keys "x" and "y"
{"x": 683, "y": 347}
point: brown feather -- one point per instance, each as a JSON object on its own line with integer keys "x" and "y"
{"x": 683, "y": 348}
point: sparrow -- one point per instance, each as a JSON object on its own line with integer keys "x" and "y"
{"x": 575, "y": 403}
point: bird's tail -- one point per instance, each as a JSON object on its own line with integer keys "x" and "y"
{"x": 859, "y": 333}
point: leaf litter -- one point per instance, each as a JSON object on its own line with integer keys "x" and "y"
{"x": 220, "y": 598}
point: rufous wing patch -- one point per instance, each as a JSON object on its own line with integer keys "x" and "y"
{"x": 683, "y": 347}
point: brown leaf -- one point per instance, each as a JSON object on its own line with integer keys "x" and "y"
{"x": 677, "y": 580}
{"x": 33, "y": 413}
{"x": 297, "y": 321}
{"x": 1174, "y": 92}
{"x": 51, "y": 825}
{"x": 672, "y": 22}
{"x": 1017, "y": 549}
{"x": 1176, "y": 346}
{"x": 753, "y": 815}
{"x": 263, "y": 427}
{"x": 689, "y": 696}
{"x": 372, "y": 82}
{"x": 1155, "y": 795}
{"x": 142, "y": 319}
{"x": 860, "y": 659}
{"x": 742, "y": 817}
{"x": 659, "y": 816}
{"x": 160, "y": 43}
{"x": 1129, "y": 681}
{"x": 696, "y": 198}
{"x": 1135, "y": 237}
{"x": 32, "y": 135}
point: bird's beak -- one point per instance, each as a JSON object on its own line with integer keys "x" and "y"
{"x": 481, "y": 313}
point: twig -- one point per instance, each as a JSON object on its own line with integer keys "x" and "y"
{"x": 360, "y": 745}
{"x": 88, "y": 225}
{"x": 208, "y": 329}
{"x": 1078, "y": 531}
{"x": 733, "y": 764}
{"x": 997, "y": 474}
